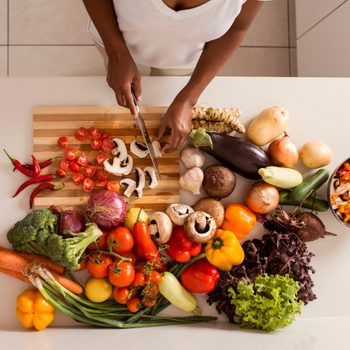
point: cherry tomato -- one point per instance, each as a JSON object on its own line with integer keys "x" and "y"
{"x": 156, "y": 277}
{"x": 64, "y": 164}
{"x": 95, "y": 144}
{"x": 61, "y": 172}
{"x": 151, "y": 291}
{"x": 107, "y": 145}
{"x": 78, "y": 178}
{"x": 83, "y": 159}
{"x": 94, "y": 134}
{"x": 101, "y": 243}
{"x": 120, "y": 240}
{"x": 62, "y": 142}
{"x": 89, "y": 170}
{"x": 131, "y": 256}
{"x": 74, "y": 166}
{"x": 121, "y": 274}
{"x": 149, "y": 302}
{"x": 101, "y": 174}
{"x": 113, "y": 186}
{"x": 104, "y": 136}
{"x": 121, "y": 295}
{"x": 81, "y": 134}
{"x": 88, "y": 185}
{"x": 101, "y": 158}
{"x": 134, "y": 304}
{"x": 71, "y": 154}
{"x": 98, "y": 265}
{"x": 101, "y": 183}
{"x": 139, "y": 280}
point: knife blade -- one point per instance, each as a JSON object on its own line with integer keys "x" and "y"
{"x": 145, "y": 135}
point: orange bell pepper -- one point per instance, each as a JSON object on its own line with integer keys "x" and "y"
{"x": 238, "y": 219}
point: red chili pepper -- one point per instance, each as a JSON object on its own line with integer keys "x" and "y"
{"x": 43, "y": 187}
{"x": 20, "y": 167}
{"x": 42, "y": 165}
{"x": 146, "y": 246}
{"x": 180, "y": 248}
{"x": 33, "y": 180}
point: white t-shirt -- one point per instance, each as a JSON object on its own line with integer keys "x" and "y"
{"x": 158, "y": 36}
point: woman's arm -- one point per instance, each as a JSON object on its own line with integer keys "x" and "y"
{"x": 214, "y": 56}
{"x": 122, "y": 73}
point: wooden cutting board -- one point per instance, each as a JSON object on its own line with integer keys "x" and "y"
{"x": 49, "y": 123}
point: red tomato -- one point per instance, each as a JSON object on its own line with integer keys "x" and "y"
{"x": 107, "y": 145}
{"x": 94, "y": 134}
{"x": 98, "y": 265}
{"x": 121, "y": 295}
{"x": 121, "y": 274}
{"x": 101, "y": 243}
{"x": 139, "y": 280}
{"x": 156, "y": 277}
{"x": 101, "y": 158}
{"x": 78, "y": 178}
{"x": 149, "y": 302}
{"x": 113, "y": 186}
{"x": 81, "y": 134}
{"x": 101, "y": 174}
{"x": 83, "y": 159}
{"x": 95, "y": 144}
{"x": 120, "y": 240}
{"x": 62, "y": 142}
{"x": 101, "y": 183}
{"x": 89, "y": 170}
{"x": 151, "y": 291}
{"x": 61, "y": 173}
{"x": 71, "y": 154}
{"x": 104, "y": 136}
{"x": 132, "y": 256}
{"x": 64, "y": 164}
{"x": 134, "y": 304}
{"x": 88, "y": 185}
{"x": 74, "y": 166}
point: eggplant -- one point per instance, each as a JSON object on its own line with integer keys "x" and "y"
{"x": 241, "y": 156}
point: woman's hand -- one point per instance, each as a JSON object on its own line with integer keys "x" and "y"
{"x": 122, "y": 76}
{"x": 177, "y": 118}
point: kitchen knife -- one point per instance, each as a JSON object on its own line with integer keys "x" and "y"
{"x": 145, "y": 135}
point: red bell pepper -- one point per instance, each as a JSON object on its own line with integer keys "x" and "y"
{"x": 180, "y": 248}
{"x": 200, "y": 277}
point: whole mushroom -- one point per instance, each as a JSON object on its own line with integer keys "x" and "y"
{"x": 160, "y": 226}
{"x": 178, "y": 212}
{"x": 212, "y": 207}
{"x": 200, "y": 227}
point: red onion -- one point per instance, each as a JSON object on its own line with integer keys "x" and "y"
{"x": 71, "y": 220}
{"x": 107, "y": 209}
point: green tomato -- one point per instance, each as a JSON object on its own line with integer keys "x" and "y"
{"x": 98, "y": 290}
{"x": 131, "y": 217}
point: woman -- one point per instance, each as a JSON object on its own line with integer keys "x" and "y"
{"x": 174, "y": 37}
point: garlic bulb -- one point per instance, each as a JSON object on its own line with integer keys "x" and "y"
{"x": 192, "y": 180}
{"x": 192, "y": 157}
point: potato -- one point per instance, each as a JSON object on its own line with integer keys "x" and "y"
{"x": 315, "y": 154}
{"x": 268, "y": 125}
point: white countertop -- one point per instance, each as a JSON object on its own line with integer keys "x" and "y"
{"x": 319, "y": 109}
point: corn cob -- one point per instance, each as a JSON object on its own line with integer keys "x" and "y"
{"x": 222, "y": 120}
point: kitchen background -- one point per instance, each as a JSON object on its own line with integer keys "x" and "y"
{"x": 48, "y": 38}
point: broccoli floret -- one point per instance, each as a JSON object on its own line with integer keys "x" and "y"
{"x": 31, "y": 233}
{"x": 68, "y": 251}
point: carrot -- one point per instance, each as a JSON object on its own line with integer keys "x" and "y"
{"x": 43, "y": 260}
{"x": 17, "y": 263}
{"x": 14, "y": 274}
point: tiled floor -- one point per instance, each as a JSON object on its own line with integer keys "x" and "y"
{"x": 48, "y": 37}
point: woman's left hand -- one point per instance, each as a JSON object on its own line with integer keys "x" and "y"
{"x": 177, "y": 118}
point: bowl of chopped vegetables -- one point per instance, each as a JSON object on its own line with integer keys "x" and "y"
{"x": 339, "y": 193}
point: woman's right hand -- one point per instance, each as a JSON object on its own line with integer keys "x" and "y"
{"x": 122, "y": 76}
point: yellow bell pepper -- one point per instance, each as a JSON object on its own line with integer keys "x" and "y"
{"x": 224, "y": 251}
{"x": 33, "y": 310}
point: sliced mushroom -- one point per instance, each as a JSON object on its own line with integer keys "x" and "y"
{"x": 157, "y": 147}
{"x": 178, "y": 212}
{"x": 119, "y": 150}
{"x": 131, "y": 186}
{"x": 151, "y": 177}
{"x": 119, "y": 167}
{"x": 140, "y": 181}
{"x": 160, "y": 226}
{"x": 139, "y": 149}
{"x": 200, "y": 227}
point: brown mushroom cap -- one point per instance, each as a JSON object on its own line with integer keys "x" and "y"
{"x": 212, "y": 207}
{"x": 200, "y": 227}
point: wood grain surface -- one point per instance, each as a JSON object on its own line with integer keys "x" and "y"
{"x": 49, "y": 123}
